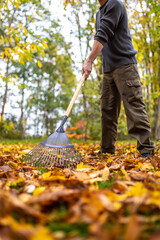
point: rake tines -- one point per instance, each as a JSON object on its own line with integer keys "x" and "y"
{"x": 63, "y": 156}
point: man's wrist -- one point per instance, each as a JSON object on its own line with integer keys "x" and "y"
{"x": 90, "y": 60}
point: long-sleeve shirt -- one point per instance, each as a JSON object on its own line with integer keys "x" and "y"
{"x": 112, "y": 30}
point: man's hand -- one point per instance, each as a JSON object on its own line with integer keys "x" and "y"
{"x": 87, "y": 68}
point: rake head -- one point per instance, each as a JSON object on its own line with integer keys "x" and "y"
{"x": 56, "y": 150}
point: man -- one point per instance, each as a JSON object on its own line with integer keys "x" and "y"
{"x": 120, "y": 79}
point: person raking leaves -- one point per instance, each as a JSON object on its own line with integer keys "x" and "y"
{"x": 121, "y": 79}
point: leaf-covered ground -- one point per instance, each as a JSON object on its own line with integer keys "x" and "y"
{"x": 105, "y": 197}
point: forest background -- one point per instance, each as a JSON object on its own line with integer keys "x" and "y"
{"x": 41, "y": 56}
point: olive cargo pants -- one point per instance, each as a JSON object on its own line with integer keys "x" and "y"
{"x": 124, "y": 83}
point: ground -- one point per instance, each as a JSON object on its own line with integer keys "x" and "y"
{"x": 104, "y": 197}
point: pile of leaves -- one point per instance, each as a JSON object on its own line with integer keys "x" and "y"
{"x": 104, "y": 197}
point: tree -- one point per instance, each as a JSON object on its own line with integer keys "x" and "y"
{"x": 53, "y": 83}
{"x": 155, "y": 11}
{"x": 144, "y": 24}
{"x": 16, "y": 41}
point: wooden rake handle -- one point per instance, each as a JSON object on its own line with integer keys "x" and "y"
{"x": 75, "y": 96}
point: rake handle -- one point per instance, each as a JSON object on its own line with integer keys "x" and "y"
{"x": 75, "y": 96}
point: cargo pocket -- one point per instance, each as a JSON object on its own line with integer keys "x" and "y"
{"x": 133, "y": 90}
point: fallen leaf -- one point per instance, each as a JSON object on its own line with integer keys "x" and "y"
{"x": 138, "y": 176}
{"x": 82, "y": 165}
{"x": 38, "y": 191}
{"x": 133, "y": 229}
{"x": 146, "y": 167}
{"x": 115, "y": 166}
{"x": 46, "y": 175}
{"x": 5, "y": 168}
{"x": 105, "y": 174}
{"x": 29, "y": 189}
{"x": 42, "y": 233}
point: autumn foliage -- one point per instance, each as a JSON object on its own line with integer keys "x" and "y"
{"x": 105, "y": 197}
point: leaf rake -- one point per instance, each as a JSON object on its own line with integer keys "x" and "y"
{"x": 57, "y": 150}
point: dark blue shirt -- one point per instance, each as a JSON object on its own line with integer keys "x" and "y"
{"x": 113, "y": 32}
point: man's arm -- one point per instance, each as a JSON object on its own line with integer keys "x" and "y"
{"x": 108, "y": 24}
{"x": 96, "y": 49}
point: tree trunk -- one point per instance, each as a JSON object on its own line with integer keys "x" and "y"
{"x": 157, "y": 126}
{"x": 22, "y": 107}
{"x": 6, "y": 91}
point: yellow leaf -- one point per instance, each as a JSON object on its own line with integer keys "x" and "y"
{"x": 117, "y": 205}
{"x": 17, "y": 38}
{"x": 25, "y": 31}
{"x": 97, "y": 179}
{"x": 155, "y": 196}
{"x": 25, "y": 151}
{"x": 137, "y": 191}
{"x": 3, "y": 55}
{"x": 46, "y": 175}
{"x": 2, "y": 39}
{"x": 38, "y": 191}
{"x": 82, "y": 165}
{"x": 35, "y": 47}
{"x": 99, "y": 163}
{"x": 17, "y": 4}
{"x": 41, "y": 234}
{"x": 109, "y": 160}
{"x": 16, "y": 226}
{"x": 123, "y": 172}
{"x": 45, "y": 44}
{"x": 115, "y": 197}
{"x": 156, "y": 174}
{"x": 139, "y": 165}
{"x": 39, "y": 64}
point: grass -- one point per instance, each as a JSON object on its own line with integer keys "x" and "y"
{"x": 80, "y": 229}
{"x": 106, "y": 184}
{"x": 18, "y": 141}
{"x": 38, "y": 140}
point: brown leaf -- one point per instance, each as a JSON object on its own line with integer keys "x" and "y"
{"x": 146, "y": 167}
{"x": 155, "y": 236}
{"x": 133, "y": 229}
{"x": 9, "y": 203}
{"x": 81, "y": 176}
{"x": 119, "y": 187}
{"x": 95, "y": 174}
{"x": 138, "y": 176}
{"x": 107, "y": 204}
{"x": 5, "y": 168}
{"x": 47, "y": 198}
{"x": 105, "y": 173}
{"x": 100, "y": 166}
{"x": 115, "y": 166}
